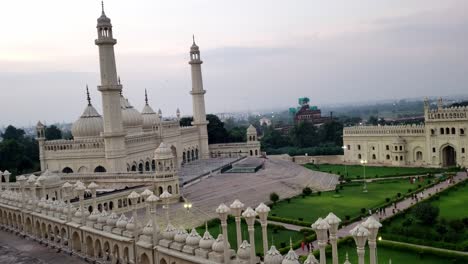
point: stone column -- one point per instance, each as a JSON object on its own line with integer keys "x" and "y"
{"x": 249, "y": 215}
{"x": 223, "y": 212}
{"x": 68, "y": 188}
{"x": 134, "y": 196}
{"x": 236, "y": 209}
{"x": 262, "y": 211}
{"x": 373, "y": 226}
{"x": 165, "y": 196}
{"x": 145, "y": 194}
{"x": 360, "y": 235}
{"x": 80, "y": 189}
{"x": 93, "y": 186}
{"x": 334, "y": 222}
{"x": 152, "y": 200}
{"x": 321, "y": 227}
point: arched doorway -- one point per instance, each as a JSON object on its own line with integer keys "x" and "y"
{"x": 144, "y": 259}
{"x": 99, "y": 169}
{"x": 449, "y": 156}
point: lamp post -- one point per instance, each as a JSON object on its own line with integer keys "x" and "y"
{"x": 334, "y": 222}
{"x": 344, "y": 159}
{"x": 364, "y": 188}
{"x": 223, "y": 212}
{"x": 262, "y": 211}
{"x": 153, "y": 202}
{"x": 133, "y": 197}
{"x": 165, "y": 196}
{"x": 321, "y": 227}
{"x": 373, "y": 226}
{"x": 145, "y": 194}
{"x": 360, "y": 235}
{"x": 187, "y": 205}
{"x": 67, "y": 188}
{"x": 249, "y": 215}
{"x": 236, "y": 209}
{"x": 93, "y": 187}
{"x": 22, "y": 180}
{"x": 32, "y": 188}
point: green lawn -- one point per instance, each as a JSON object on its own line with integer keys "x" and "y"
{"x": 349, "y": 201}
{"x": 448, "y": 231}
{"x": 385, "y": 254}
{"x": 452, "y": 205}
{"x": 282, "y": 236}
{"x": 357, "y": 171}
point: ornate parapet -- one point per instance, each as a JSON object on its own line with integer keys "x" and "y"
{"x": 407, "y": 130}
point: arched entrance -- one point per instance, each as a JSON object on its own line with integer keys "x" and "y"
{"x": 449, "y": 156}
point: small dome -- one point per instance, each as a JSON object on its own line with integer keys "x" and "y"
{"x": 193, "y": 239}
{"x": 103, "y": 217}
{"x": 131, "y": 224}
{"x": 122, "y": 222}
{"x": 273, "y": 256}
{"x": 244, "y": 250}
{"x": 311, "y": 259}
{"x": 218, "y": 245}
{"x": 291, "y": 258}
{"x": 181, "y": 235}
{"x": 150, "y": 118}
{"x": 251, "y": 130}
{"x": 49, "y": 179}
{"x": 94, "y": 215}
{"x": 112, "y": 219}
{"x": 90, "y": 124}
{"x": 148, "y": 229}
{"x": 163, "y": 152}
{"x": 131, "y": 118}
{"x": 169, "y": 232}
{"x": 207, "y": 241}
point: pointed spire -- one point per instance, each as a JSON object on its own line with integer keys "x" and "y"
{"x": 146, "y": 97}
{"x": 118, "y": 79}
{"x": 87, "y": 95}
{"x": 206, "y": 226}
{"x": 193, "y": 37}
{"x": 290, "y": 243}
{"x": 102, "y": 6}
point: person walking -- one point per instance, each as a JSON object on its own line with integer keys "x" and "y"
{"x": 302, "y": 245}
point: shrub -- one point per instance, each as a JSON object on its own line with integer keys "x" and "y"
{"x": 409, "y": 190}
{"x": 288, "y": 200}
{"x": 307, "y": 191}
{"x": 363, "y": 210}
{"x": 274, "y": 197}
{"x": 398, "y": 195}
{"x": 457, "y": 225}
{"x": 426, "y": 213}
{"x": 347, "y": 217}
{"x": 319, "y": 193}
{"x": 387, "y": 200}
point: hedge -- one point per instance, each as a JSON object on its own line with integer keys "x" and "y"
{"x": 421, "y": 250}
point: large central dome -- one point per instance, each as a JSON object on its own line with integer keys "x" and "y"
{"x": 90, "y": 124}
{"x": 131, "y": 119}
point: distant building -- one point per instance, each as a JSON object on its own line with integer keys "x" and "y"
{"x": 307, "y": 113}
{"x": 265, "y": 121}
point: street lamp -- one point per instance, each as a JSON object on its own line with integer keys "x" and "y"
{"x": 187, "y": 205}
{"x": 364, "y": 188}
{"x": 344, "y": 159}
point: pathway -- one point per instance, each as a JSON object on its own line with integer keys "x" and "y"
{"x": 427, "y": 247}
{"x": 400, "y": 206}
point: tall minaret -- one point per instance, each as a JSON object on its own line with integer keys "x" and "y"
{"x": 114, "y": 135}
{"x": 198, "y": 99}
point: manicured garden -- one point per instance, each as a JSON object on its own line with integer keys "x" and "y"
{"x": 440, "y": 222}
{"x": 278, "y": 234}
{"x": 357, "y": 171}
{"x": 347, "y": 202}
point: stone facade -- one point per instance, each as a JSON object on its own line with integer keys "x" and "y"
{"x": 123, "y": 139}
{"x": 440, "y": 142}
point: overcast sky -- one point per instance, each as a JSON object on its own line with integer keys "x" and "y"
{"x": 257, "y": 54}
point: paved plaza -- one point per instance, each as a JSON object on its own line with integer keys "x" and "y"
{"x": 17, "y": 250}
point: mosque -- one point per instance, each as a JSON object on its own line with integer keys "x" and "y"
{"x": 124, "y": 139}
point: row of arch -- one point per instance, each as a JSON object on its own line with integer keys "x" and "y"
{"x": 55, "y": 234}
{"x": 84, "y": 169}
{"x": 190, "y": 155}
{"x": 446, "y": 115}
{"x": 448, "y": 131}
{"x": 74, "y": 146}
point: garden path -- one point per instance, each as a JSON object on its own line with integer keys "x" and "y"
{"x": 400, "y": 206}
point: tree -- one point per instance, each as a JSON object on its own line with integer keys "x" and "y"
{"x": 304, "y": 135}
{"x": 186, "y": 121}
{"x": 13, "y": 133}
{"x": 373, "y": 120}
{"x": 426, "y": 213}
{"x": 274, "y": 197}
{"x": 307, "y": 191}
{"x": 53, "y": 132}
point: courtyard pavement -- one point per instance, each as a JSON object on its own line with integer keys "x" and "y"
{"x": 389, "y": 211}
{"x": 17, "y": 250}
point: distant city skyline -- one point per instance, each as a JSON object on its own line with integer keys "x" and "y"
{"x": 258, "y": 54}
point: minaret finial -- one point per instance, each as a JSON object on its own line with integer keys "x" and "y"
{"x": 102, "y": 6}
{"x": 118, "y": 80}
{"x": 290, "y": 243}
{"x": 146, "y": 97}
{"x": 87, "y": 95}
{"x": 206, "y": 226}
{"x": 193, "y": 37}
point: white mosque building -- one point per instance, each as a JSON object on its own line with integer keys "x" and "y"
{"x": 123, "y": 139}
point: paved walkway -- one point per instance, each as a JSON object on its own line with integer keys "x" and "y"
{"x": 427, "y": 247}
{"x": 400, "y": 206}
{"x": 388, "y": 178}
{"x": 17, "y": 250}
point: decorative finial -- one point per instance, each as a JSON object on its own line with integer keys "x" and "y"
{"x": 193, "y": 37}
{"x": 118, "y": 79}
{"x": 87, "y": 95}
{"x": 102, "y": 5}
{"x": 290, "y": 243}
{"x": 146, "y": 97}
{"x": 206, "y": 226}
{"x": 346, "y": 255}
